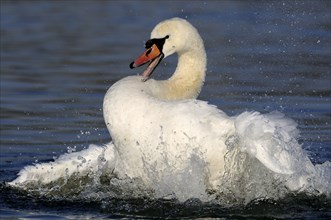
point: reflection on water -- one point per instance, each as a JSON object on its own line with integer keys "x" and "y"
{"x": 59, "y": 58}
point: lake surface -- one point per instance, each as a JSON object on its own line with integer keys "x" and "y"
{"x": 58, "y": 58}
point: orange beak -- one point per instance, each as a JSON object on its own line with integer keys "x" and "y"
{"x": 152, "y": 55}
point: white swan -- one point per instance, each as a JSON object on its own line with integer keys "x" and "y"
{"x": 160, "y": 131}
{"x": 160, "y": 125}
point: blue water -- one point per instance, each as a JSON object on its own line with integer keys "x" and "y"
{"x": 58, "y": 58}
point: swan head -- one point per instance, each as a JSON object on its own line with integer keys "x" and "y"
{"x": 171, "y": 36}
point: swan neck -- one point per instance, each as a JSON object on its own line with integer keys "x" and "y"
{"x": 188, "y": 79}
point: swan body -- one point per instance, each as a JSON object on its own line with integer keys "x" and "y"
{"x": 162, "y": 132}
{"x": 160, "y": 125}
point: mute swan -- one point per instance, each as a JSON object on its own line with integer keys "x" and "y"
{"x": 159, "y": 125}
{"x": 158, "y": 128}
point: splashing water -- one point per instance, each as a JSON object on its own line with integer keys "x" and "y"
{"x": 96, "y": 174}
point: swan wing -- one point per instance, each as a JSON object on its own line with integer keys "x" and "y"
{"x": 271, "y": 138}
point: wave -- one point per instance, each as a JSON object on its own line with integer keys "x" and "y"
{"x": 97, "y": 173}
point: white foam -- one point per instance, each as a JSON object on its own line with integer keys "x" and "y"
{"x": 91, "y": 160}
{"x": 264, "y": 160}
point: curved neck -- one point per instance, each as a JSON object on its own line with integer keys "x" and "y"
{"x": 188, "y": 79}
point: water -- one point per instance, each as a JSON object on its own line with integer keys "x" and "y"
{"x": 59, "y": 58}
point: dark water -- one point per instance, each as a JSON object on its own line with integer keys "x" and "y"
{"x": 58, "y": 58}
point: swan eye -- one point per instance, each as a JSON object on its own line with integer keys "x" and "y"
{"x": 149, "y": 44}
{"x": 159, "y": 42}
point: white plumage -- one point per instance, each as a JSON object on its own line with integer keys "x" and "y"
{"x": 158, "y": 128}
{"x": 154, "y": 123}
